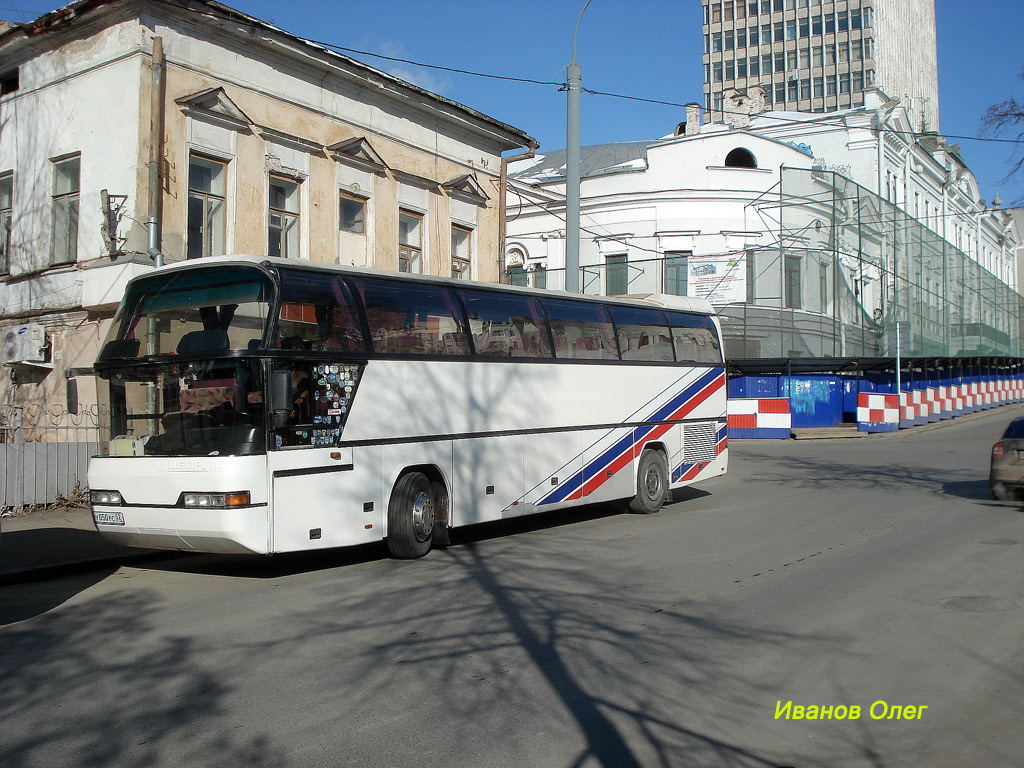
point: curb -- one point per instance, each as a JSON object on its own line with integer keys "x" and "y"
{"x": 825, "y": 434}
{"x": 931, "y": 426}
{"x": 57, "y": 570}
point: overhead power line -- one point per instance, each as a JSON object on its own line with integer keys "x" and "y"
{"x": 824, "y": 119}
{"x": 627, "y": 97}
{"x": 456, "y": 70}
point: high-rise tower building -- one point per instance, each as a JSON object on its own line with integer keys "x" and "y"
{"x": 820, "y": 55}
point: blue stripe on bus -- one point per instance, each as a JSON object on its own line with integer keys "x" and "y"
{"x": 629, "y": 441}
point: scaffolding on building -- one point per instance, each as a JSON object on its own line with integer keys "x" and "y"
{"x": 845, "y": 274}
{"x": 849, "y": 270}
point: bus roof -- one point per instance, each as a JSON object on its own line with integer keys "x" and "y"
{"x": 668, "y": 301}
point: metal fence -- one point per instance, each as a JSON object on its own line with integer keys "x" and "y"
{"x": 44, "y": 454}
{"x": 848, "y": 265}
{"x": 846, "y": 274}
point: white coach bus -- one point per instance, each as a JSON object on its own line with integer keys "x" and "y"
{"x": 254, "y": 405}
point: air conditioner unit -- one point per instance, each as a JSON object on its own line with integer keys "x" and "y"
{"x": 23, "y": 344}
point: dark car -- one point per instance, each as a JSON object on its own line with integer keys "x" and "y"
{"x": 1006, "y": 476}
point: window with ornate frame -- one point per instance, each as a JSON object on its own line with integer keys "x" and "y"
{"x": 206, "y": 207}
{"x": 283, "y": 217}
{"x": 351, "y": 214}
{"x": 462, "y": 256}
{"x": 410, "y": 242}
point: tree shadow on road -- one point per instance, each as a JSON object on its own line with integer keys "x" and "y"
{"x": 94, "y": 684}
{"x": 823, "y": 474}
{"x": 294, "y": 563}
{"x": 538, "y": 638}
{"x": 526, "y": 650}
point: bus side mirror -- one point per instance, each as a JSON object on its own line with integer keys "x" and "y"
{"x": 280, "y": 398}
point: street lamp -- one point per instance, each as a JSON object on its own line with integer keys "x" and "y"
{"x": 574, "y": 86}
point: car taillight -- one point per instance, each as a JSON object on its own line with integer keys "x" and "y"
{"x": 997, "y": 451}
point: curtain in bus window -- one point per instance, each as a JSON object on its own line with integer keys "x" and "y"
{"x": 504, "y": 325}
{"x": 317, "y": 313}
{"x": 581, "y": 330}
{"x": 643, "y": 334}
{"x": 410, "y": 319}
{"x": 695, "y": 338}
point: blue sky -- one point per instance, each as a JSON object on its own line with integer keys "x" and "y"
{"x": 643, "y": 48}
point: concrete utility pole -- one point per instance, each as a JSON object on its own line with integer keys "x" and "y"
{"x": 574, "y": 82}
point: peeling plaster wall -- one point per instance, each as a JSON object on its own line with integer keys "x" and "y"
{"x": 320, "y": 107}
{"x": 79, "y": 96}
{"x": 85, "y": 87}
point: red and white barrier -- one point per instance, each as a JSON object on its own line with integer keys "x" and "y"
{"x": 878, "y": 412}
{"x": 881, "y": 412}
{"x": 945, "y": 402}
{"x": 762, "y": 418}
{"x": 956, "y": 394}
{"x": 913, "y": 408}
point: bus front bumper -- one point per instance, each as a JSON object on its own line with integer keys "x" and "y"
{"x": 151, "y": 513}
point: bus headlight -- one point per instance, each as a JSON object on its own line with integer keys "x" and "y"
{"x": 198, "y": 500}
{"x": 106, "y": 498}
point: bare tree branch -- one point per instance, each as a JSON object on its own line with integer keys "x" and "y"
{"x": 1006, "y": 116}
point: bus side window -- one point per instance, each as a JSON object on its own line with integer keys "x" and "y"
{"x": 695, "y": 339}
{"x": 413, "y": 319}
{"x": 643, "y": 334}
{"x": 317, "y": 313}
{"x": 505, "y": 326}
{"x": 581, "y": 330}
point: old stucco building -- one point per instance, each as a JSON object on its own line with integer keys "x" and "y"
{"x": 129, "y": 128}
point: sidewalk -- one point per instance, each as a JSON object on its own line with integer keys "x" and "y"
{"x": 49, "y": 543}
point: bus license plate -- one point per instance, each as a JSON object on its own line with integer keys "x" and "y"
{"x": 108, "y": 518}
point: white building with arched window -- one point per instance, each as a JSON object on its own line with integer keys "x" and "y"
{"x": 673, "y": 199}
{"x": 811, "y": 234}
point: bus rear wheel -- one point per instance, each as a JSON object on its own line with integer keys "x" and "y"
{"x": 411, "y": 517}
{"x": 651, "y": 483}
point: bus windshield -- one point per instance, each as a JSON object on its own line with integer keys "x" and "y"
{"x": 197, "y": 408}
{"x": 201, "y": 311}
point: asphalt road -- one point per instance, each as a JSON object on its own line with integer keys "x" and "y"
{"x": 826, "y": 573}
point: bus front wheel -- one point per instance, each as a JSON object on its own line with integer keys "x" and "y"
{"x": 651, "y": 483}
{"x": 411, "y": 517}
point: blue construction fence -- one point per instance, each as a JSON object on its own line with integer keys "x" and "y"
{"x": 927, "y": 392}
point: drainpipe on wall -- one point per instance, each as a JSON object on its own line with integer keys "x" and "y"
{"x": 502, "y": 182}
{"x": 156, "y": 152}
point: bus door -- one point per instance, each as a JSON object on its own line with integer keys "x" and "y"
{"x": 320, "y": 496}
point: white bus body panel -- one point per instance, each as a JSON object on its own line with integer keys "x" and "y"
{"x": 403, "y": 399}
{"x": 564, "y": 417}
{"x": 488, "y": 475}
{"x": 542, "y": 436}
{"x": 152, "y": 486}
{"x": 319, "y": 501}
